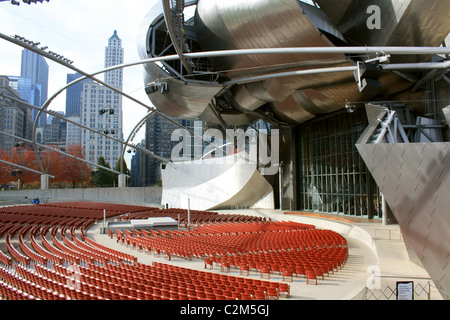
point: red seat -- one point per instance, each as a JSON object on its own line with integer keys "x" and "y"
{"x": 311, "y": 276}
{"x": 272, "y": 293}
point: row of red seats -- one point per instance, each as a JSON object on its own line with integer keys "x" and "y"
{"x": 297, "y": 250}
{"x": 196, "y": 217}
{"x": 13, "y": 287}
{"x": 224, "y": 285}
{"x": 69, "y": 258}
{"x": 91, "y": 245}
{"x": 16, "y": 254}
{"x": 251, "y": 227}
{"x": 61, "y": 290}
{"x": 209, "y": 244}
{"x": 109, "y": 207}
{"x": 50, "y": 255}
{"x": 159, "y": 281}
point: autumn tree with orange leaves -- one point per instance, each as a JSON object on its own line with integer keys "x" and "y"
{"x": 65, "y": 169}
{"x": 24, "y": 157}
{"x": 73, "y": 170}
{"x": 5, "y": 170}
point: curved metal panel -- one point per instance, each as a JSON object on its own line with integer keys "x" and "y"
{"x": 215, "y": 183}
{"x": 153, "y": 15}
{"x": 256, "y": 24}
{"x": 289, "y": 111}
{"x": 244, "y": 24}
{"x": 414, "y": 179}
{"x": 404, "y": 22}
{"x": 169, "y": 94}
{"x": 181, "y": 100}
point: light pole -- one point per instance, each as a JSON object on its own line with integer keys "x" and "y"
{"x": 17, "y": 3}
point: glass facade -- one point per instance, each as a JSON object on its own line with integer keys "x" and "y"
{"x": 332, "y": 176}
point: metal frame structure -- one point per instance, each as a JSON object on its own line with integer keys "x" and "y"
{"x": 264, "y": 51}
{"x": 22, "y": 167}
{"x": 332, "y": 176}
{"x": 242, "y": 86}
{"x": 59, "y": 116}
{"x": 42, "y": 146}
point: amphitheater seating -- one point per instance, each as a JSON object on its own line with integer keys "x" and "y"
{"x": 265, "y": 247}
{"x": 45, "y": 254}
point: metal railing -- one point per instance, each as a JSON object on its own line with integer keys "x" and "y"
{"x": 422, "y": 291}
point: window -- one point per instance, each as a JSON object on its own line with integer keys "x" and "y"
{"x": 332, "y": 176}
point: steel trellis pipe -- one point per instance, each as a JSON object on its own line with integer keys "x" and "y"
{"x": 133, "y": 132}
{"x": 58, "y": 151}
{"x": 59, "y": 116}
{"x": 307, "y": 50}
{"x": 23, "y": 168}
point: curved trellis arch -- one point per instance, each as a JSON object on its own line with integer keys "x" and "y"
{"x": 302, "y": 50}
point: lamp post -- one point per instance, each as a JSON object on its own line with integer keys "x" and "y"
{"x": 17, "y": 3}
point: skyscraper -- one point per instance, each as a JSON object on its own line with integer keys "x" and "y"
{"x": 73, "y": 95}
{"x": 35, "y": 67}
{"x": 101, "y": 109}
{"x": 158, "y": 139}
{"x": 113, "y": 57}
{"x": 15, "y": 118}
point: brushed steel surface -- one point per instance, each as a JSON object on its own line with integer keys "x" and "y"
{"x": 183, "y": 100}
{"x": 256, "y": 24}
{"x": 415, "y": 181}
{"x": 216, "y": 183}
{"x": 403, "y": 22}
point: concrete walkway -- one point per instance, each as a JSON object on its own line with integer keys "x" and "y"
{"x": 377, "y": 258}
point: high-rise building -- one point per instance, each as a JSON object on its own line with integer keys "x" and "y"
{"x": 73, "y": 95}
{"x": 73, "y": 131}
{"x": 101, "y": 109}
{"x": 113, "y": 57}
{"x": 35, "y": 67}
{"x": 53, "y": 133}
{"x": 138, "y": 167}
{"x": 15, "y": 118}
{"x": 158, "y": 139}
{"x": 29, "y": 93}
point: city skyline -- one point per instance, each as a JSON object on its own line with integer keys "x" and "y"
{"x": 78, "y": 31}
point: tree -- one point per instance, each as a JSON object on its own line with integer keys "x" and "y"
{"x": 25, "y": 157}
{"x": 73, "y": 170}
{"x": 104, "y": 178}
{"x": 52, "y": 163}
{"x": 125, "y": 169}
{"x": 5, "y": 170}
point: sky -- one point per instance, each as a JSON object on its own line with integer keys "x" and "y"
{"x": 79, "y": 30}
